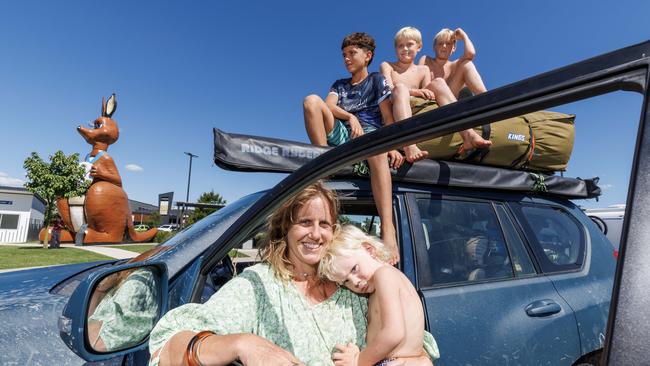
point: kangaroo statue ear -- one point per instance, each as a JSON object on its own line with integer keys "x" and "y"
{"x": 111, "y": 105}
{"x": 103, "y": 107}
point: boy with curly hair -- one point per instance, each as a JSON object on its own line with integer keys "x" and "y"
{"x": 355, "y": 106}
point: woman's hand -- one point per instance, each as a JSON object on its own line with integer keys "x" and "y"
{"x": 348, "y": 355}
{"x": 256, "y": 351}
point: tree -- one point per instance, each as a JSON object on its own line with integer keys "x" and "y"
{"x": 154, "y": 219}
{"x": 206, "y": 197}
{"x": 63, "y": 176}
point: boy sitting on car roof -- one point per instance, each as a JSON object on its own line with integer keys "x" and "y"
{"x": 355, "y": 106}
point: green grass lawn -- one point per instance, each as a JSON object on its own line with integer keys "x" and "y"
{"x": 20, "y": 257}
{"x": 140, "y": 248}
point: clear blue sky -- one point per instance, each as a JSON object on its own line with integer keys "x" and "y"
{"x": 181, "y": 68}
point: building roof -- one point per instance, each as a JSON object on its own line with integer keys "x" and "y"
{"x": 21, "y": 190}
{"x": 142, "y": 207}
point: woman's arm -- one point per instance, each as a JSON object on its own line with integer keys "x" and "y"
{"x": 224, "y": 349}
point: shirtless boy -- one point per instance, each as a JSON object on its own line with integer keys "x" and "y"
{"x": 413, "y": 84}
{"x": 355, "y": 106}
{"x": 395, "y": 317}
{"x": 456, "y": 73}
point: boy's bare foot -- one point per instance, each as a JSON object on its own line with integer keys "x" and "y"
{"x": 472, "y": 140}
{"x": 413, "y": 153}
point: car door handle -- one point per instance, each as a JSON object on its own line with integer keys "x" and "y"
{"x": 543, "y": 308}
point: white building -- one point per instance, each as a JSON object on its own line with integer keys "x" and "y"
{"x": 21, "y": 215}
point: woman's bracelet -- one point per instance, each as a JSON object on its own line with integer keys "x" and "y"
{"x": 192, "y": 351}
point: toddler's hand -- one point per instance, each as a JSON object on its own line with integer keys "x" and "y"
{"x": 459, "y": 34}
{"x": 348, "y": 355}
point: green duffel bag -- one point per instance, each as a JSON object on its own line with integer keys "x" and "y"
{"x": 554, "y": 134}
{"x": 441, "y": 148}
{"x": 510, "y": 143}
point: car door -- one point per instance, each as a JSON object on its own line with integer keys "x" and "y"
{"x": 485, "y": 302}
{"x": 579, "y": 262}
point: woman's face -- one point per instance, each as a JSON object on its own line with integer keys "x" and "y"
{"x": 309, "y": 234}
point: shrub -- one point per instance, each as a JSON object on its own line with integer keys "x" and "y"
{"x": 163, "y": 235}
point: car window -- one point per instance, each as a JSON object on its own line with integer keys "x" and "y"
{"x": 557, "y": 238}
{"x": 362, "y": 214}
{"x": 464, "y": 241}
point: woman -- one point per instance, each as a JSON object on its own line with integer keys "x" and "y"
{"x": 124, "y": 306}
{"x": 277, "y": 312}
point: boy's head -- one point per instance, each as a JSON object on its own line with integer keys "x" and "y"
{"x": 409, "y": 33}
{"x": 444, "y": 43}
{"x": 358, "y": 50}
{"x": 408, "y": 42}
{"x": 352, "y": 258}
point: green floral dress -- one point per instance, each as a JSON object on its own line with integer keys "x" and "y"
{"x": 128, "y": 311}
{"x": 258, "y": 302}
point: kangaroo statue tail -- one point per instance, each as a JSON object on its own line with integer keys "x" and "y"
{"x": 139, "y": 236}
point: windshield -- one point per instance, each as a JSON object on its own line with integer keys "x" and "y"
{"x": 194, "y": 240}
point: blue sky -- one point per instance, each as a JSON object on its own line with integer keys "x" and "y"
{"x": 181, "y": 68}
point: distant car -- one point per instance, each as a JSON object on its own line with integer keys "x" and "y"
{"x": 168, "y": 227}
{"x": 609, "y": 221}
{"x": 141, "y": 227}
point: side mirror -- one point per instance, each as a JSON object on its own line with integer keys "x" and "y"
{"x": 113, "y": 312}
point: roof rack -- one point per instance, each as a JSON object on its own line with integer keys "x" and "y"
{"x": 246, "y": 153}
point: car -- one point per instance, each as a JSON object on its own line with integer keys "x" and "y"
{"x": 168, "y": 227}
{"x": 539, "y": 294}
{"x": 141, "y": 227}
{"x": 609, "y": 221}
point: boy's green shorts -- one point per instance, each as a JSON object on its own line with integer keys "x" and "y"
{"x": 341, "y": 133}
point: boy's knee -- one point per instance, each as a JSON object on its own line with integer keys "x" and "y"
{"x": 438, "y": 84}
{"x": 312, "y": 101}
{"x": 401, "y": 91}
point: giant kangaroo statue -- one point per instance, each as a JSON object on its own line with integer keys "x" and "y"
{"x": 106, "y": 205}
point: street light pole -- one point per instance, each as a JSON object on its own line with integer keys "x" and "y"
{"x": 189, "y": 176}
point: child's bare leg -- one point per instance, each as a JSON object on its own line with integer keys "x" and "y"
{"x": 444, "y": 96}
{"x": 382, "y": 191}
{"x": 319, "y": 120}
{"x": 402, "y": 110}
{"x": 465, "y": 73}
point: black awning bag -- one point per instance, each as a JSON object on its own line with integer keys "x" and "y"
{"x": 262, "y": 154}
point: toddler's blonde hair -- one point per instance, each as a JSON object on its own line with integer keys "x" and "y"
{"x": 347, "y": 241}
{"x": 409, "y": 33}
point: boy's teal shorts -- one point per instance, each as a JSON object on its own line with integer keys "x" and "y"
{"x": 341, "y": 133}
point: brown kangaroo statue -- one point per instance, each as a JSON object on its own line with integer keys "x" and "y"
{"x": 106, "y": 206}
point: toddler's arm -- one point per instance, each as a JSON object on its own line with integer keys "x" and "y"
{"x": 393, "y": 329}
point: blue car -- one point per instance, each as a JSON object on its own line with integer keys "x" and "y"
{"x": 509, "y": 270}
